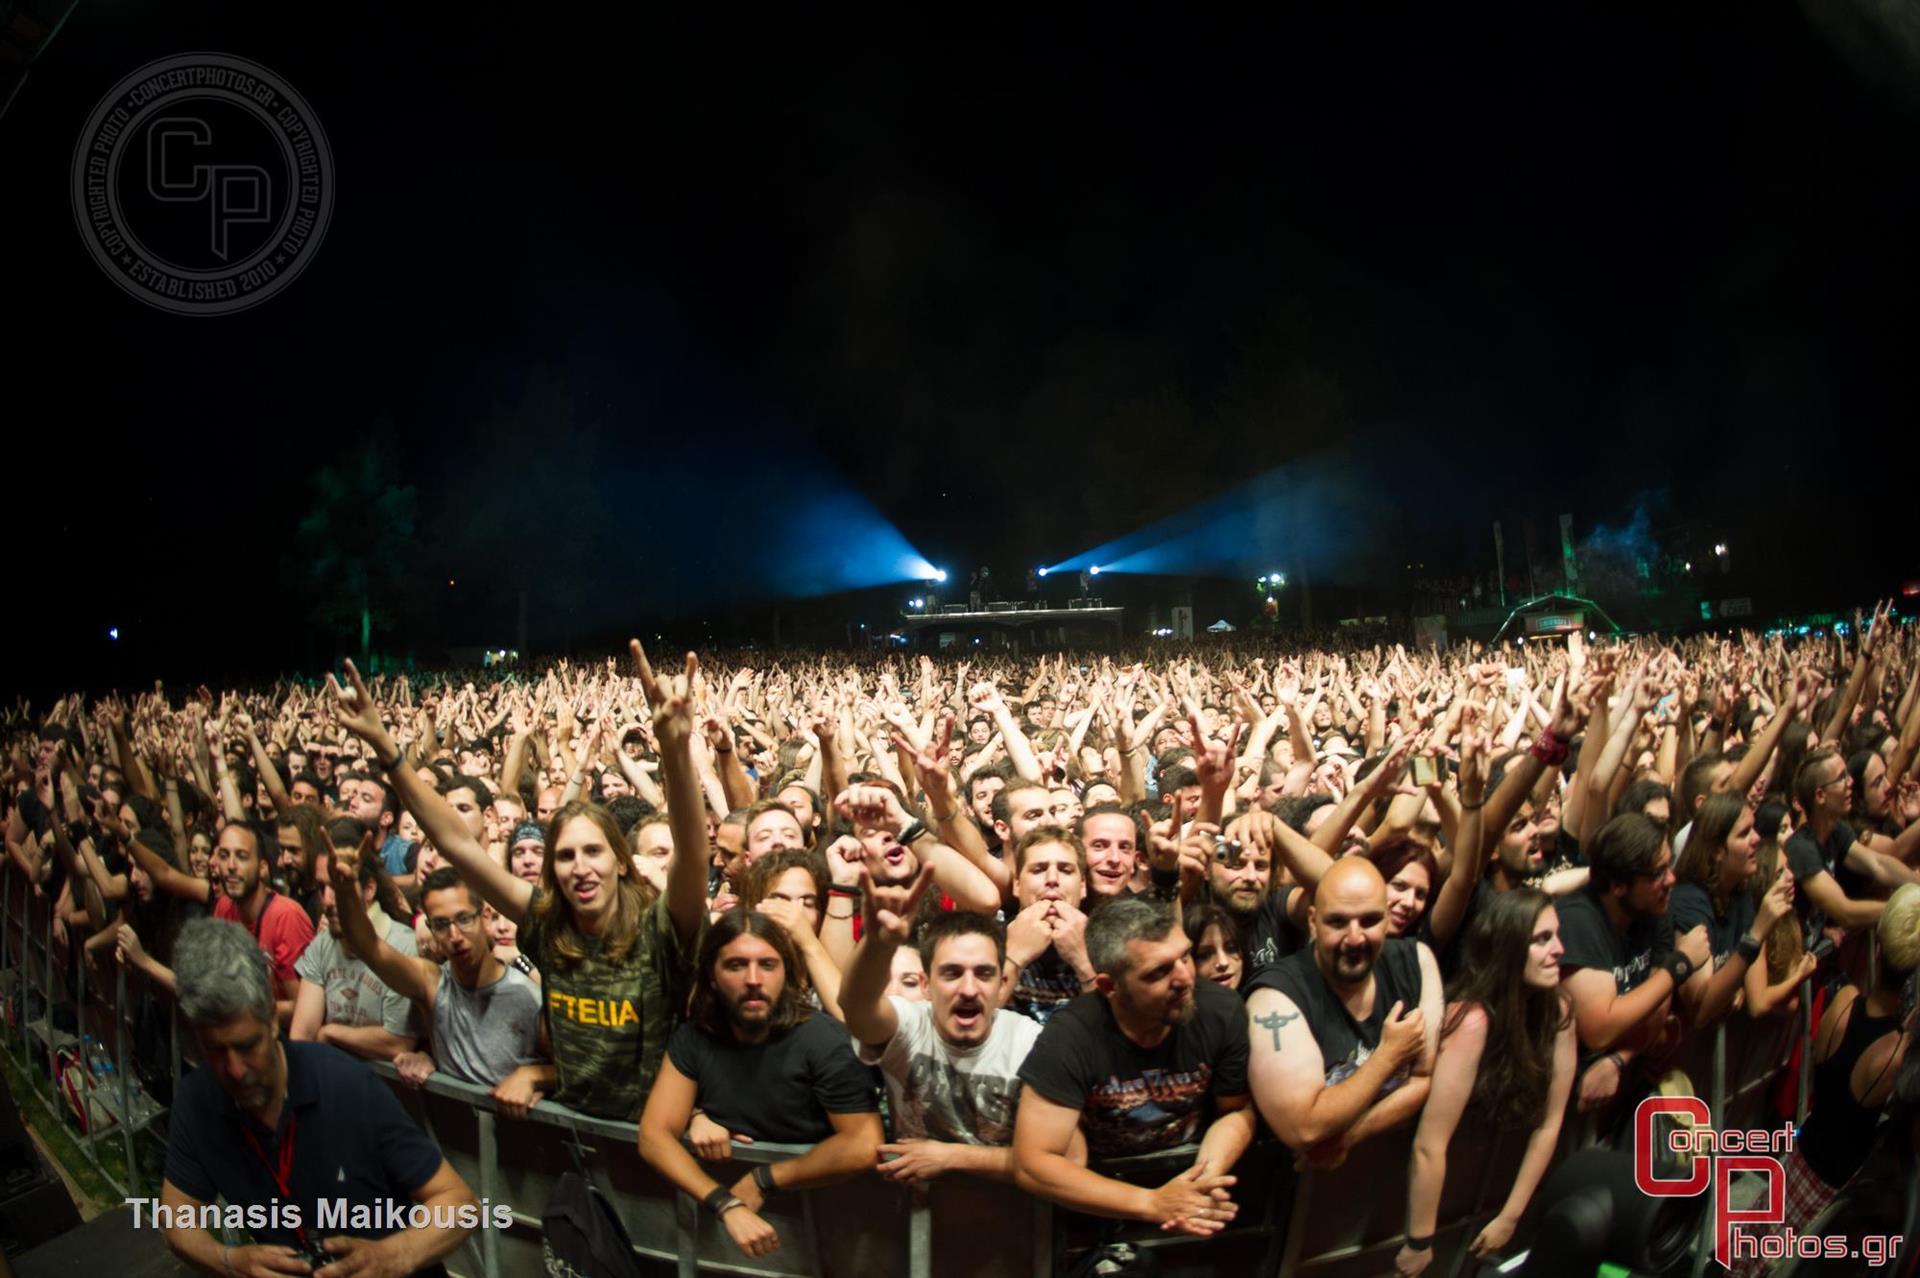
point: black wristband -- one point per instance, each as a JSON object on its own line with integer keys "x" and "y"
{"x": 915, "y": 829}
{"x": 1747, "y": 948}
{"x": 1678, "y": 966}
{"x": 719, "y": 1195}
{"x": 763, "y": 1177}
{"x": 399, "y": 756}
{"x": 853, "y": 890}
{"x": 1423, "y": 1243}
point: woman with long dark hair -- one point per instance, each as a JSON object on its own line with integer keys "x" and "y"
{"x": 1719, "y": 889}
{"x": 1219, "y": 950}
{"x": 1507, "y": 1052}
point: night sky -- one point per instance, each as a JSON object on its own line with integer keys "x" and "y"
{"x": 1025, "y": 287}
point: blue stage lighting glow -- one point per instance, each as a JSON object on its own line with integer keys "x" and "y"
{"x": 1311, "y": 515}
{"x": 832, "y": 539}
{"x": 939, "y": 574}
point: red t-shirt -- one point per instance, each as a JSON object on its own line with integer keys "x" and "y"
{"x": 283, "y": 932}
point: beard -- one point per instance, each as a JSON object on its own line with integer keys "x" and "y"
{"x": 745, "y": 1015}
{"x": 1351, "y": 966}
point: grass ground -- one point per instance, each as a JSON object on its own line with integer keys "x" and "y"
{"x": 92, "y": 1177}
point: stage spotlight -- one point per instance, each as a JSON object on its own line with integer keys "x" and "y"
{"x": 914, "y": 603}
{"x": 939, "y": 574}
{"x": 1095, "y": 570}
{"x": 1041, "y": 571}
{"x": 114, "y": 633}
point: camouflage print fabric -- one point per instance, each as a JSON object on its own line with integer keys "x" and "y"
{"x": 610, "y": 1021}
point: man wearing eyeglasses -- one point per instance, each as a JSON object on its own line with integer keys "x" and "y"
{"x": 342, "y": 1001}
{"x": 485, "y": 1013}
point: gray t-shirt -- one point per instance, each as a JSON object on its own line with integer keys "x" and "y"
{"x": 355, "y": 995}
{"x": 482, "y": 1035}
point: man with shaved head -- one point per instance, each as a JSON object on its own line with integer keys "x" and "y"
{"x": 1344, "y": 1032}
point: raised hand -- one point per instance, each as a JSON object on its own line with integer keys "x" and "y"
{"x": 873, "y": 806}
{"x": 889, "y": 911}
{"x": 1213, "y": 761}
{"x": 930, "y": 763}
{"x": 354, "y": 707}
{"x": 671, "y": 700}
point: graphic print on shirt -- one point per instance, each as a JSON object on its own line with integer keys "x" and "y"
{"x": 982, "y": 1104}
{"x": 1135, "y": 1115}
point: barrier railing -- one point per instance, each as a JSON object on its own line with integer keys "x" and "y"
{"x": 36, "y": 966}
{"x": 1318, "y": 1224}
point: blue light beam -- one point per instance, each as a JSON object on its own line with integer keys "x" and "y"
{"x": 1307, "y": 516}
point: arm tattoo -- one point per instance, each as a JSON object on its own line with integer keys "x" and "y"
{"x": 1275, "y": 1021}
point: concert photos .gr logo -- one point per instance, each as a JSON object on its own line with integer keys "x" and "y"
{"x": 202, "y": 184}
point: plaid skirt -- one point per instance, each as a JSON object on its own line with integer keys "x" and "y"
{"x": 1806, "y": 1197}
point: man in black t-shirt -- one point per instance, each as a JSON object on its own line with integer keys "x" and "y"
{"x": 758, "y": 1061}
{"x": 1270, "y": 918}
{"x": 1622, "y": 963}
{"x": 1046, "y": 962}
{"x": 1838, "y": 878}
{"x": 1151, "y": 1060}
{"x": 1371, "y": 1009}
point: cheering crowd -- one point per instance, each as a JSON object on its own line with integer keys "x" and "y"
{"x": 998, "y": 918}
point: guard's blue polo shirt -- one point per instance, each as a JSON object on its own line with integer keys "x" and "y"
{"x": 352, "y": 1142}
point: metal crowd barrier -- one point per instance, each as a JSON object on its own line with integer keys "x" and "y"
{"x": 861, "y": 1227}
{"x": 1348, "y": 1221}
{"x": 1339, "y": 1223}
{"x": 32, "y": 967}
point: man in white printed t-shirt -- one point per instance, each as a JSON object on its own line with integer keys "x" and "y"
{"x": 952, "y": 1062}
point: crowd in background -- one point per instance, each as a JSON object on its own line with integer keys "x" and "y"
{"x": 1006, "y": 917}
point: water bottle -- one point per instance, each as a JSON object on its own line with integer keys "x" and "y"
{"x": 97, "y": 1058}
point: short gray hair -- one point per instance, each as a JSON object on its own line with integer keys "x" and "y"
{"x": 219, "y": 972}
{"x": 1124, "y": 919}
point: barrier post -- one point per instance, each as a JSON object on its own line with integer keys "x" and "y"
{"x": 686, "y": 1221}
{"x": 920, "y": 1238}
{"x": 1296, "y": 1236}
{"x": 1717, "y": 1092}
{"x": 489, "y": 1158}
{"x": 126, "y": 1083}
{"x": 1805, "y": 1080}
{"x": 1042, "y": 1238}
{"x": 46, "y": 966}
